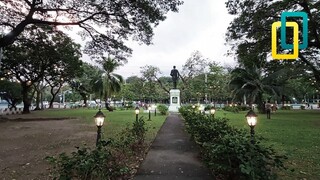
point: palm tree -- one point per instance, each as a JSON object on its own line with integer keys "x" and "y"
{"x": 106, "y": 82}
{"x": 253, "y": 83}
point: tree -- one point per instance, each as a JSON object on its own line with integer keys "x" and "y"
{"x": 110, "y": 82}
{"x": 107, "y": 23}
{"x": 133, "y": 89}
{"x": 252, "y": 82}
{"x": 11, "y": 92}
{"x": 85, "y": 82}
{"x": 39, "y": 87}
{"x": 218, "y": 79}
{"x": 194, "y": 66}
{"x": 250, "y": 31}
{"x": 38, "y": 53}
{"x": 152, "y": 73}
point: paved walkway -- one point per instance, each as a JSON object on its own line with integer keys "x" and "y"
{"x": 172, "y": 155}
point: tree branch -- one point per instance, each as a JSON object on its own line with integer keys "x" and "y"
{"x": 29, "y": 3}
{"x": 305, "y": 6}
{"x": 6, "y": 24}
{"x": 161, "y": 85}
{"x": 316, "y": 72}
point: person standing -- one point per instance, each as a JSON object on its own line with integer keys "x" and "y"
{"x": 268, "y": 109}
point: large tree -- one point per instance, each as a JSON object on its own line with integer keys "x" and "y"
{"x": 250, "y": 31}
{"x": 109, "y": 82}
{"x": 106, "y": 23}
{"x": 133, "y": 89}
{"x": 151, "y": 74}
{"x": 38, "y": 53}
{"x": 85, "y": 83}
{"x": 11, "y": 92}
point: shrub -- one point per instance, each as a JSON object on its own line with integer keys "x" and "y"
{"x": 87, "y": 164}
{"x": 109, "y": 160}
{"x": 227, "y": 151}
{"x": 234, "y": 109}
{"x": 130, "y": 105}
{"x": 208, "y": 107}
{"x": 139, "y": 130}
{"x": 286, "y": 107}
{"x": 163, "y": 109}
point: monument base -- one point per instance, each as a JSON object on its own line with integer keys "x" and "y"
{"x": 174, "y": 100}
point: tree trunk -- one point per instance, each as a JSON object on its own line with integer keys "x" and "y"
{"x": 84, "y": 96}
{"x": 26, "y": 99}
{"x": 51, "y": 103}
{"x": 54, "y": 94}
{"x": 260, "y": 103}
{"x": 37, "y": 100}
{"x": 41, "y": 100}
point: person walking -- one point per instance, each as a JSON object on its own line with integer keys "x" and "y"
{"x": 268, "y": 108}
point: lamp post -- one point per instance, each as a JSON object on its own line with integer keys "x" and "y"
{"x": 212, "y": 111}
{"x": 155, "y": 110}
{"x": 252, "y": 121}
{"x": 137, "y": 110}
{"x": 149, "y": 109}
{"x": 99, "y": 119}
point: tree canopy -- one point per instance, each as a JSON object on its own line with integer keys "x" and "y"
{"x": 250, "y": 31}
{"x": 106, "y": 24}
{"x": 38, "y": 54}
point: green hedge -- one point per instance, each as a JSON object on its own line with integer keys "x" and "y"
{"x": 228, "y": 152}
{"x": 163, "y": 109}
{"x": 236, "y": 109}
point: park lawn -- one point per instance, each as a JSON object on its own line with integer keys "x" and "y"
{"x": 115, "y": 121}
{"x": 294, "y": 133}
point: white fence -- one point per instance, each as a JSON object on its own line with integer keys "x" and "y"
{"x": 9, "y": 111}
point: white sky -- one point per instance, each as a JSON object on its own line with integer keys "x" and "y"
{"x": 199, "y": 25}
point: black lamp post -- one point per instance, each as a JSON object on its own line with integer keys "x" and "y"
{"x": 155, "y": 110}
{"x": 252, "y": 121}
{"x": 149, "y": 109}
{"x": 137, "y": 110}
{"x": 212, "y": 111}
{"x": 99, "y": 119}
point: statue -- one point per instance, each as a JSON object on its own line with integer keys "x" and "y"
{"x": 175, "y": 76}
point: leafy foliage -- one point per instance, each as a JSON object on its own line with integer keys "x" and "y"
{"x": 250, "y": 81}
{"x": 163, "y": 109}
{"x": 228, "y": 152}
{"x": 249, "y": 33}
{"x": 40, "y": 53}
{"x": 106, "y": 24}
{"x": 11, "y": 92}
{"x": 111, "y": 159}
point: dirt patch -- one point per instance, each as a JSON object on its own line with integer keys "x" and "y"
{"x": 25, "y": 144}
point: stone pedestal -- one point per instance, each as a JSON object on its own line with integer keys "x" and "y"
{"x": 174, "y": 100}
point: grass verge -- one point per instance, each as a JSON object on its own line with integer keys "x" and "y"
{"x": 295, "y": 133}
{"x": 114, "y": 122}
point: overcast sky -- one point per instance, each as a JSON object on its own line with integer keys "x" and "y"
{"x": 199, "y": 25}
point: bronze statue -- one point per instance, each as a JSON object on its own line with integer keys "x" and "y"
{"x": 175, "y": 76}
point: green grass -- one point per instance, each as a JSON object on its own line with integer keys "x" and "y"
{"x": 114, "y": 122}
{"x": 295, "y": 133}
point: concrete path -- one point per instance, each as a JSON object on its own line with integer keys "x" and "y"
{"x": 172, "y": 155}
